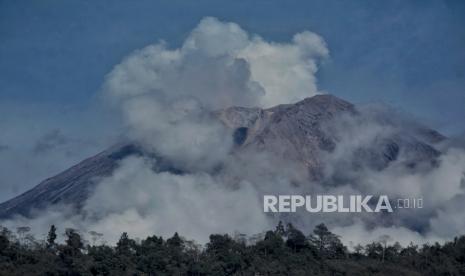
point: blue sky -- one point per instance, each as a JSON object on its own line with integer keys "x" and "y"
{"x": 406, "y": 53}
{"x": 55, "y": 54}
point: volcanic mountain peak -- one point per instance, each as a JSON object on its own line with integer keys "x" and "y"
{"x": 294, "y": 132}
{"x": 316, "y": 107}
{"x": 319, "y": 104}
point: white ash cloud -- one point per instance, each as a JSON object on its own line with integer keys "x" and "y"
{"x": 440, "y": 184}
{"x": 141, "y": 202}
{"x": 165, "y": 95}
{"x": 221, "y": 65}
{"x": 357, "y": 233}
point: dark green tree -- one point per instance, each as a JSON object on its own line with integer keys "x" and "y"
{"x": 328, "y": 244}
{"x": 295, "y": 238}
{"x": 52, "y": 236}
{"x": 280, "y": 230}
{"x": 125, "y": 245}
{"x": 175, "y": 241}
{"x": 73, "y": 240}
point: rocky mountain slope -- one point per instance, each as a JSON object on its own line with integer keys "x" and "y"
{"x": 297, "y": 132}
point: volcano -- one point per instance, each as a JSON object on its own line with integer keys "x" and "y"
{"x": 297, "y": 132}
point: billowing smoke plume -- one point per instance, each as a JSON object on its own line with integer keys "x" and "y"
{"x": 166, "y": 94}
{"x": 382, "y": 152}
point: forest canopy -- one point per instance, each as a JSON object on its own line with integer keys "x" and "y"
{"x": 283, "y": 251}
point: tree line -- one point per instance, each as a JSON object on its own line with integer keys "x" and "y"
{"x": 283, "y": 251}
